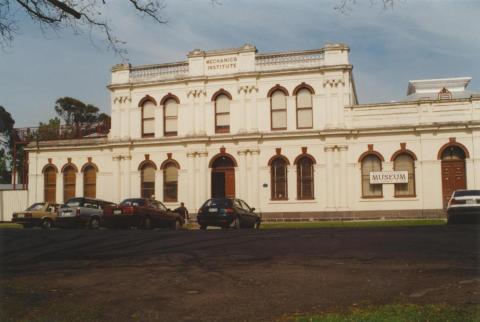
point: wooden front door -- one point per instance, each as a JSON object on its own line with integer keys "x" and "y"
{"x": 223, "y": 183}
{"x": 453, "y": 178}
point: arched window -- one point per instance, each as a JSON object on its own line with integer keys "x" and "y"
{"x": 222, "y": 114}
{"x": 170, "y": 115}
{"x": 305, "y": 178}
{"x": 170, "y": 182}
{"x": 90, "y": 182}
{"x": 69, "y": 180}
{"x": 371, "y": 163}
{"x": 148, "y": 119}
{"x": 405, "y": 162}
{"x": 278, "y": 170}
{"x": 278, "y": 110}
{"x": 452, "y": 153}
{"x": 304, "y": 109}
{"x": 148, "y": 181}
{"x": 50, "y": 184}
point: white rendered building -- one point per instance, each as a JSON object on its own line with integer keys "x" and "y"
{"x": 282, "y": 131}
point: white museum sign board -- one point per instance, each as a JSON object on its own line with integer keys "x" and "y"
{"x": 388, "y": 177}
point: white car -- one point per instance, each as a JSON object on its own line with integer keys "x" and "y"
{"x": 464, "y": 207}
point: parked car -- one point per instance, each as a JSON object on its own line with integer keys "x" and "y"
{"x": 41, "y": 214}
{"x": 141, "y": 213}
{"x": 82, "y": 212}
{"x": 464, "y": 207}
{"x": 227, "y": 212}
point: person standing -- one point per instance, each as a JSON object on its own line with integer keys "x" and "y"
{"x": 183, "y": 211}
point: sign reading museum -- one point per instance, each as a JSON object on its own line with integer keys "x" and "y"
{"x": 389, "y": 177}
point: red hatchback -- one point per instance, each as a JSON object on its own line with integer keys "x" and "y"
{"x": 141, "y": 213}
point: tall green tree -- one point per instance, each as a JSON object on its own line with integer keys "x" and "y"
{"x": 6, "y": 144}
{"x": 76, "y": 113}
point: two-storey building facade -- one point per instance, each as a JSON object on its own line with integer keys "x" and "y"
{"x": 283, "y": 131}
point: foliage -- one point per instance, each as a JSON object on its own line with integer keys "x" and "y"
{"x": 49, "y": 130}
{"x": 75, "y": 112}
{"x": 77, "y": 15}
{"x": 400, "y": 313}
{"x": 6, "y": 144}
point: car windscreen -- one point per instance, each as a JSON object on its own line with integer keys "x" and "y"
{"x": 133, "y": 202}
{"x": 465, "y": 193}
{"x": 74, "y": 202}
{"x": 220, "y": 203}
{"x": 36, "y": 206}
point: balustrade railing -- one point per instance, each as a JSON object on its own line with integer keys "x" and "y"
{"x": 267, "y": 62}
{"x": 158, "y": 72}
{"x": 62, "y": 132}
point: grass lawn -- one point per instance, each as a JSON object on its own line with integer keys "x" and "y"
{"x": 355, "y": 224}
{"x": 398, "y": 313}
{"x": 10, "y": 225}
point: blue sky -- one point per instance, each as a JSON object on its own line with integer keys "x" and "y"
{"x": 414, "y": 40}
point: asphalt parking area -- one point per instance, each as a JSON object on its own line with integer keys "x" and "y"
{"x": 228, "y": 275}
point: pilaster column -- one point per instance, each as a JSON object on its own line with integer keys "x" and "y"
{"x": 201, "y": 130}
{"x": 343, "y": 177}
{"x": 191, "y": 114}
{"x": 291, "y": 182}
{"x": 242, "y": 115}
{"x": 126, "y": 181}
{"x": 159, "y": 185}
{"x": 329, "y": 176}
{"x": 243, "y": 173}
{"x": 291, "y": 111}
{"x": 341, "y": 104}
{"x": 116, "y": 179}
{"x": 254, "y": 112}
{"x": 203, "y": 176}
{"x": 336, "y": 176}
{"x": 59, "y": 191}
{"x": 79, "y": 184}
{"x": 191, "y": 180}
{"x": 197, "y": 181}
{"x": 255, "y": 181}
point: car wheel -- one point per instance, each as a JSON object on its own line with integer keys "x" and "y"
{"x": 94, "y": 223}
{"x": 176, "y": 225}
{"x": 236, "y": 223}
{"x": 147, "y": 223}
{"x": 203, "y": 227}
{"x": 46, "y": 224}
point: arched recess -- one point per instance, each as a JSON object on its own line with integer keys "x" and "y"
{"x": 278, "y": 177}
{"x": 302, "y": 86}
{"x": 305, "y": 176}
{"x": 89, "y": 171}
{"x": 147, "y": 162}
{"x": 223, "y": 175}
{"x": 50, "y": 165}
{"x": 404, "y": 151}
{"x": 220, "y": 92}
{"x": 170, "y": 180}
{"x": 168, "y": 97}
{"x": 145, "y": 99}
{"x": 89, "y": 164}
{"x": 370, "y": 161}
{"x": 304, "y": 155}
{"x": 275, "y": 88}
{"x": 453, "y": 168}
{"x": 69, "y": 181}
{"x": 147, "y": 179}
{"x": 450, "y": 145}
{"x": 50, "y": 183}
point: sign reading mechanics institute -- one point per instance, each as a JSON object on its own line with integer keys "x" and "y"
{"x": 221, "y": 64}
{"x": 388, "y": 177}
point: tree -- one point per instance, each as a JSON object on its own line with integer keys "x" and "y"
{"x": 77, "y": 15}
{"x": 76, "y": 113}
{"x": 49, "y": 130}
{"x": 6, "y": 144}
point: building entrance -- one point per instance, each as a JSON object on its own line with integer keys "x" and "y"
{"x": 453, "y": 172}
{"x": 223, "y": 177}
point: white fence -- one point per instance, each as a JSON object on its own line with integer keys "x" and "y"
{"x": 11, "y": 201}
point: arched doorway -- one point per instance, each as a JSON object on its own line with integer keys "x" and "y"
{"x": 223, "y": 177}
{"x": 453, "y": 171}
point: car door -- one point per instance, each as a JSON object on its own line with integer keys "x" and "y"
{"x": 162, "y": 214}
{"x": 242, "y": 216}
{"x": 252, "y": 218}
